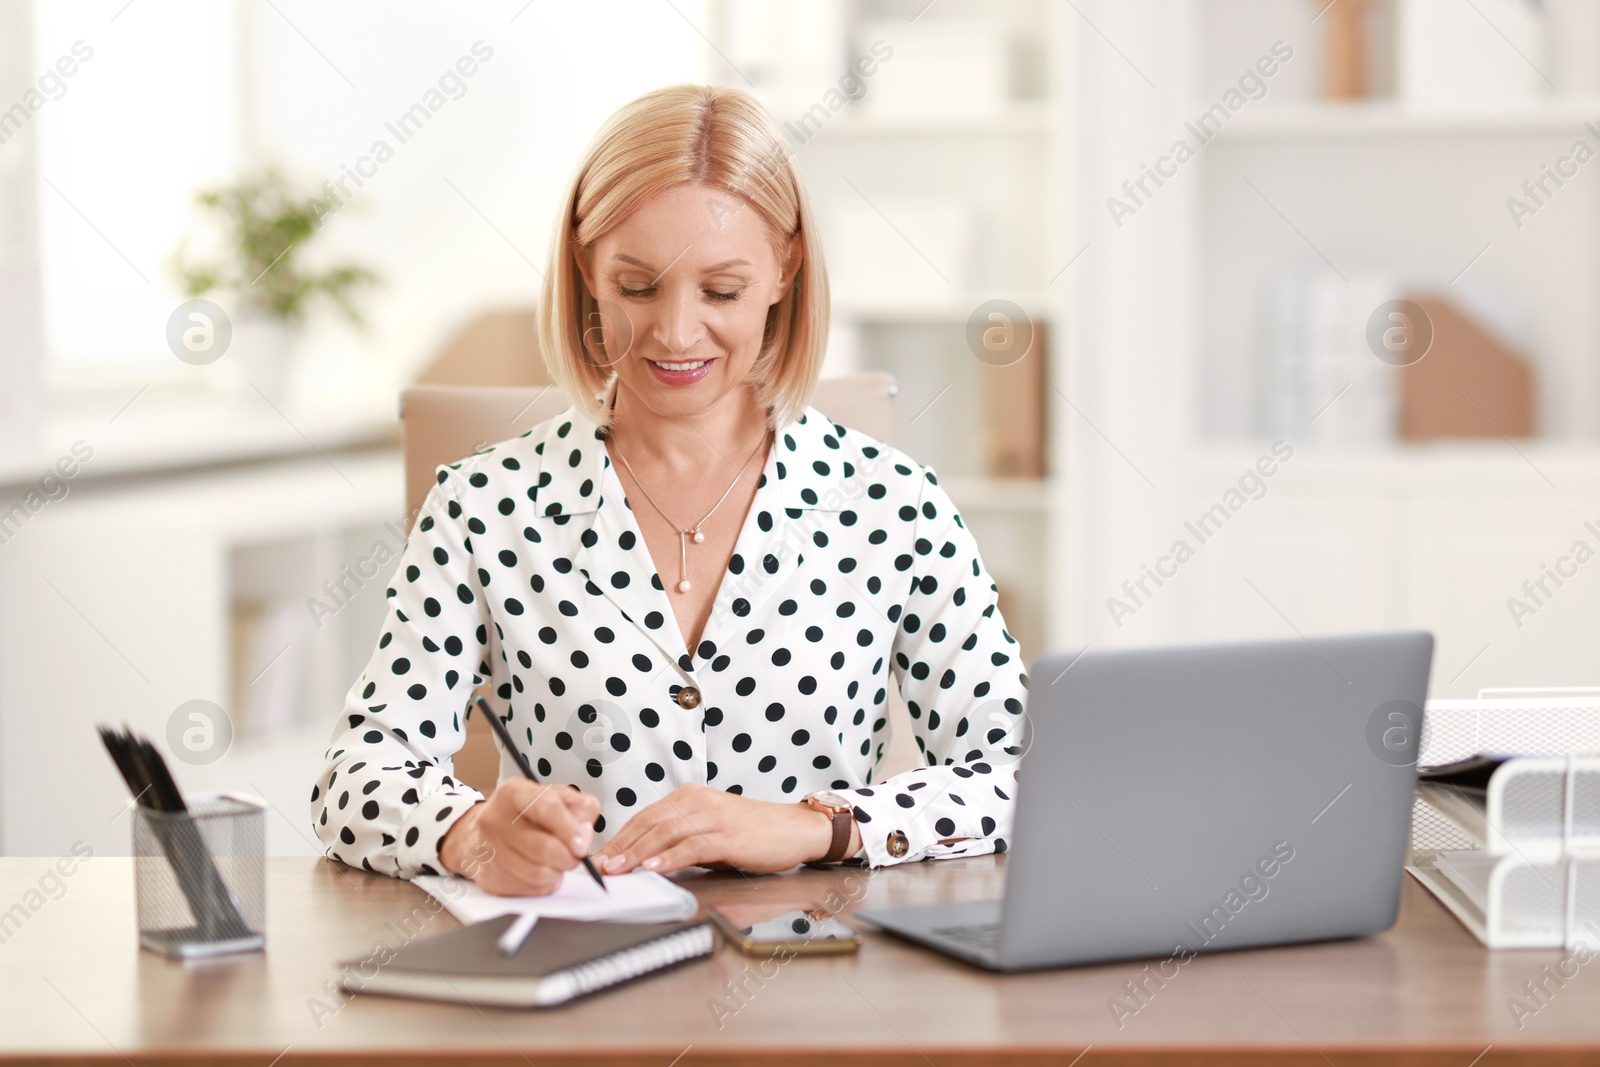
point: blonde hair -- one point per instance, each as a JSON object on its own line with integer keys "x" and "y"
{"x": 713, "y": 136}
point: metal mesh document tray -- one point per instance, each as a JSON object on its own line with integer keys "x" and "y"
{"x": 1520, "y": 864}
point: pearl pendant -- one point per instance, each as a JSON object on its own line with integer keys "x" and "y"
{"x": 698, "y": 537}
{"x": 683, "y": 586}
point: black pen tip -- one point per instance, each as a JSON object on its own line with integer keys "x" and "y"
{"x": 599, "y": 881}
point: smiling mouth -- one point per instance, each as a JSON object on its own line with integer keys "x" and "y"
{"x": 691, "y": 365}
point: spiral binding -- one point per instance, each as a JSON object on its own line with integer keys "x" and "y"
{"x": 631, "y": 963}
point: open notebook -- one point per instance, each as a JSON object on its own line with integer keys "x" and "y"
{"x": 637, "y": 897}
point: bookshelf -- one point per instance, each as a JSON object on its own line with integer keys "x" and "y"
{"x": 1166, "y": 327}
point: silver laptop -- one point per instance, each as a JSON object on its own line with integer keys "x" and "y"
{"x": 1195, "y": 799}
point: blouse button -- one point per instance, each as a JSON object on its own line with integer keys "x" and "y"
{"x": 688, "y": 697}
{"x": 897, "y": 844}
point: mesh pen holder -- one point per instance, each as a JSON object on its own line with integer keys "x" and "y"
{"x": 200, "y": 877}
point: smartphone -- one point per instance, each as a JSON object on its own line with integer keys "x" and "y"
{"x": 808, "y": 931}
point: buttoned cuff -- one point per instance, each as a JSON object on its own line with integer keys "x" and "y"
{"x": 890, "y": 833}
{"x": 425, "y": 827}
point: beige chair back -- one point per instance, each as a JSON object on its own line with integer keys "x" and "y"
{"x": 444, "y": 423}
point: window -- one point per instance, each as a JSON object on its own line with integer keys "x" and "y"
{"x": 149, "y": 114}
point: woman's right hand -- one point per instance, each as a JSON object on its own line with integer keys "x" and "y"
{"x": 522, "y": 839}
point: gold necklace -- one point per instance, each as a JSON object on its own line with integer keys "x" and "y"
{"x": 686, "y": 533}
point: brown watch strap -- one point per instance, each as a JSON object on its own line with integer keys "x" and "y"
{"x": 841, "y": 837}
{"x": 843, "y": 817}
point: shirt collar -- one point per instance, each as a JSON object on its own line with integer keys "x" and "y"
{"x": 572, "y": 465}
{"x": 810, "y": 464}
{"x": 805, "y": 462}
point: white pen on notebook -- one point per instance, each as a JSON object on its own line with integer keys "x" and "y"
{"x": 511, "y": 941}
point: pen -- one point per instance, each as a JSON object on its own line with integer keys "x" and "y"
{"x": 510, "y": 746}
{"x": 216, "y": 912}
{"x": 517, "y": 933}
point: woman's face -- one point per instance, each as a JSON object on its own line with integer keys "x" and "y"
{"x": 690, "y": 275}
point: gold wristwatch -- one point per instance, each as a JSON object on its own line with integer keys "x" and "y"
{"x": 843, "y": 815}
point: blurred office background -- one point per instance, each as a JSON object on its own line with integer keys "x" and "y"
{"x": 1218, "y": 426}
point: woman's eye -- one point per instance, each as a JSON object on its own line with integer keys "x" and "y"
{"x": 714, "y": 295}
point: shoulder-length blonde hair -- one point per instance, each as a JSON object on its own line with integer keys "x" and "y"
{"x": 686, "y": 133}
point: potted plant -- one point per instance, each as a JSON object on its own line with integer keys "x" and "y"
{"x": 262, "y": 228}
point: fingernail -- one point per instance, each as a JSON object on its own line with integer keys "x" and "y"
{"x": 652, "y": 863}
{"x": 580, "y": 843}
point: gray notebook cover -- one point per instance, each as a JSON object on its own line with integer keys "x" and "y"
{"x": 561, "y": 959}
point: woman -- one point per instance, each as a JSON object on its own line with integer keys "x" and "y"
{"x": 688, "y": 591}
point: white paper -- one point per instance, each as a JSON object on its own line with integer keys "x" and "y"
{"x": 638, "y": 897}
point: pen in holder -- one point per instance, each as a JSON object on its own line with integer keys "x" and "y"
{"x": 200, "y": 876}
{"x": 189, "y": 905}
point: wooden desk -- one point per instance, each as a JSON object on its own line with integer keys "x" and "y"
{"x": 74, "y": 988}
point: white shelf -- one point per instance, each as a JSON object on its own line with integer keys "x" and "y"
{"x": 1468, "y": 453}
{"x": 1023, "y": 118}
{"x": 296, "y": 497}
{"x": 954, "y": 309}
{"x": 1387, "y": 118}
{"x": 156, "y": 435}
{"x": 1534, "y": 471}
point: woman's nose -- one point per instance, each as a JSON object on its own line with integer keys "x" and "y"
{"x": 678, "y": 326}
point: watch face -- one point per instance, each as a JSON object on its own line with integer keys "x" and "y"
{"x": 832, "y": 800}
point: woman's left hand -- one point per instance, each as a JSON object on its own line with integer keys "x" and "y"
{"x": 696, "y": 825}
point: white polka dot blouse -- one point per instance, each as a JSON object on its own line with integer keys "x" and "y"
{"x": 526, "y": 570}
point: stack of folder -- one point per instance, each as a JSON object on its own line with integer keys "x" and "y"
{"x": 1510, "y": 842}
